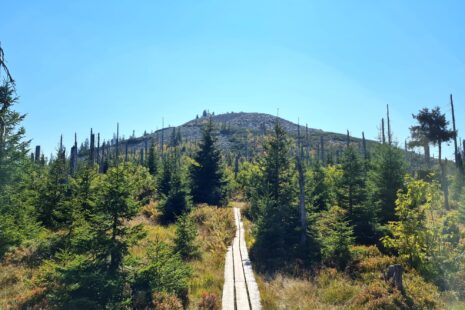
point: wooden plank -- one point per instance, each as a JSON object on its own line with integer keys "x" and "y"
{"x": 242, "y": 298}
{"x": 228, "y": 287}
{"x": 252, "y": 287}
{"x": 240, "y": 290}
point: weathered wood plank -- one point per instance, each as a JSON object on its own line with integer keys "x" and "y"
{"x": 252, "y": 287}
{"x": 240, "y": 290}
{"x": 228, "y": 287}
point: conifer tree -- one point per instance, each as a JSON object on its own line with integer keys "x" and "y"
{"x": 53, "y": 206}
{"x": 352, "y": 197}
{"x": 89, "y": 272}
{"x": 277, "y": 234}
{"x": 185, "y": 240}
{"x": 336, "y": 237}
{"x": 207, "y": 177}
{"x": 176, "y": 201}
{"x": 116, "y": 206}
{"x": 13, "y": 147}
{"x": 152, "y": 160}
{"x": 165, "y": 176}
{"x": 385, "y": 179}
{"x": 316, "y": 190}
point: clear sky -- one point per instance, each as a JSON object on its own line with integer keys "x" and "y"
{"x": 333, "y": 64}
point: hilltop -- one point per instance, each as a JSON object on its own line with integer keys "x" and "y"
{"x": 237, "y": 130}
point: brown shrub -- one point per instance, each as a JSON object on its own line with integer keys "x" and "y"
{"x": 378, "y": 295}
{"x": 209, "y": 302}
{"x": 165, "y": 301}
{"x": 375, "y": 264}
{"x": 151, "y": 211}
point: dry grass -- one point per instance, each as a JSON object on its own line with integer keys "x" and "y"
{"x": 16, "y": 284}
{"x": 216, "y": 231}
{"x": 362, "y": 287}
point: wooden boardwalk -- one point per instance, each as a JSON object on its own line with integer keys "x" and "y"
{"x": 240, "y": 291}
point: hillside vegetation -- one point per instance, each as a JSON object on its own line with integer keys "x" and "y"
{"x": 332, "y": 222}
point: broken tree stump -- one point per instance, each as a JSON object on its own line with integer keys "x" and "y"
{"x": 393, "y": 275}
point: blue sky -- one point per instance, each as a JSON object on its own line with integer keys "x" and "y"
{"x": 333, "y": 64}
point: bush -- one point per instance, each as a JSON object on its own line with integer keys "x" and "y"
{"x": 209, "y": 302}
{"x": 217, "y": 224}
{"x": 378, "y": 295}
{"x": 164, "y": 301}
{"x": 334, "y": 288}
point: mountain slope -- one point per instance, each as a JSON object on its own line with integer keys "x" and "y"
{"x": 239, "y": 131}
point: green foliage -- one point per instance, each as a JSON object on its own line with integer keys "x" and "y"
{"x": 13, "y": 147}
{"x": 317, "y": 191}
{"x": 248, "y": 178}
{"x": 18, "y": 222}
{"x": 52, "y": 205}
{"x": 434, "y": 126}
{"x": 336, "y": 237}
{"x": 185, "y": 240}
{"x": 165, "y": 176}
{"x": 424, "y": 238}
{"x": 141, "y": 181}
{"x": 385, "y": 179}
{"x": 116, "y": 205}
{"x": 152, "y": 160}
{"x": 207, "y": 176}
{"x": 164, "y": 271}
{"x": 176, "y": 201}
{"x": 277, "y": 243}
{"x": 411, "y": 235}
{"x": 353, "y": 197}
{"x": 89, "y": 271}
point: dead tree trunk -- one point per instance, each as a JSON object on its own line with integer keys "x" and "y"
{"x": 141, "y": 158}
{"x": 37, "y": 153}
{"x": 458, "y": 157}
{"x": 117, "y": 143}
{"x": 445, "y": 184}
{"x": 383, "y": 137}
{"x": 302, "y": 211}
{"x": 92, "y": 148}
{"x": 364, "y": 146}
{"x": 389, "y": 134}
{"x": 98, "y": 148}
{"x": 322, "y": 150}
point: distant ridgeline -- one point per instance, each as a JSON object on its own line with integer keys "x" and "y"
{"x": 239, "y": 135}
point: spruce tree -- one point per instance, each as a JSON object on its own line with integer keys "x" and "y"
{"x": 152, "y": 160}
{"x": 16, "y": 212}
{"x": 208, "y": 184}
{"x": 13, "y": 147}
{"x": 336, "y": 237}
{"x": 316, "y": 188}
{"x": 185, "y": 240}
{"x": 53, "y": 206}
{"x": 177, "y": 201}
{"x": 385, "y": 179}
{"x": 277, "y": 235}
{"x": 353, "y": 197}
{"x": 89, "y": 273}
{"x": 165, "y": 176}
